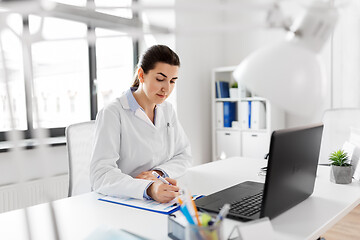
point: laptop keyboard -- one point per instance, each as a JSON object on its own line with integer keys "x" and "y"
{"x": 247, "y": 206}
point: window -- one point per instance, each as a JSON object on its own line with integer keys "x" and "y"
{"x": 114, "y": 54}
{"x": 12, "y": 91}
{"x": 115, "y": 7}
{"x": 60, "y": 73}
{"x": 61, "y": 93}
{"x": 72, "y": 76}
{"x": 114, "y": 58}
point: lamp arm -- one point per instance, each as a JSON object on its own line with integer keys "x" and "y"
{"x": 275, "y": 18}
{"x": 311, "y": 29}
{"x": 314, "y": 27}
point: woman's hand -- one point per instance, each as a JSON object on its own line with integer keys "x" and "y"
{"x": 148, "y": 175}
{"x": 158, "y": 190}
{"x": 162, "y": 192}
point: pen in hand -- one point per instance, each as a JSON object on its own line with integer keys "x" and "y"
{"x": 160, "y": 178}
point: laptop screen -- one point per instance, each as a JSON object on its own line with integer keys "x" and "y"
{"x": 291, "y": 171}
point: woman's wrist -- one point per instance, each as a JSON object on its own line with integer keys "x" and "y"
{"x": 148, "y": 190}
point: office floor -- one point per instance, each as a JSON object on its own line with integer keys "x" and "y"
{"x": 347, "y": 228}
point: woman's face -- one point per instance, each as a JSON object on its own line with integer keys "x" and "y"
{"x": 159, "y": 82}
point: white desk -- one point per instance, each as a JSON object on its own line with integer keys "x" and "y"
{"x": 78, "y": 216}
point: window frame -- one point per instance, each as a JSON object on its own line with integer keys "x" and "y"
{"x": 60, "y": 132}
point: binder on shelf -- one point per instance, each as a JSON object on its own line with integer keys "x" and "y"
{"x": 229, "y": 109}
{"x": 222, "y": 89}
{"x": 249, "y": 114}
{"x": 219, "y": 114}
{"x": 258, "y": 116}
{"x": 244, "y": 114}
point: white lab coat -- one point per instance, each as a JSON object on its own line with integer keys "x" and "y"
{"x": 128, "y": 143}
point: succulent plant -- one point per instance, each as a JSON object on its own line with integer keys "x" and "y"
{"x": 339, "y": 158}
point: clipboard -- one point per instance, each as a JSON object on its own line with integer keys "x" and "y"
{"x": 148, "y": 205}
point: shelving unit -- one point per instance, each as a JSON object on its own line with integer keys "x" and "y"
{"x": 239, "y": 140}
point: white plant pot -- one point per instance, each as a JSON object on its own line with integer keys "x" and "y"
{"x": 341, "y": 174}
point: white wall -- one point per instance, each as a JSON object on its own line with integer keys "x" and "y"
{"x": 346, "y": 57}
{"x": 199, "y": 53}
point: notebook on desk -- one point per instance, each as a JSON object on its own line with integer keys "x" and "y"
{"x": 290, "y": 178}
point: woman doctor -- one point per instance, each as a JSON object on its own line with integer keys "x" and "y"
{"x": 139, "y": 133}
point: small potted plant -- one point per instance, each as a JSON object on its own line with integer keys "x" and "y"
{"x": 234, "y": 91}
{"x": 341, "y": 171}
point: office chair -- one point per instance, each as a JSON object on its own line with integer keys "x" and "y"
{"x": 337, "y": 128}
{"x": 79, "y": 141}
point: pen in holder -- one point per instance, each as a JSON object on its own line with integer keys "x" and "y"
{"x": 212, "y": 232}
{"x": 180, "y": 229}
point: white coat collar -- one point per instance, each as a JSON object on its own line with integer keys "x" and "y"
{"x": 129, "y": 102}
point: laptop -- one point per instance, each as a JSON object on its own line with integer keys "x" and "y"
{"x": 290, "y": 178}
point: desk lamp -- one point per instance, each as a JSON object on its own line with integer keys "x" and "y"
{"x": 290, "y": 73}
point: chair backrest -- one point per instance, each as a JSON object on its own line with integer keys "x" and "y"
{"x": 337, "y": 128}
{"x": 79, "y": 142}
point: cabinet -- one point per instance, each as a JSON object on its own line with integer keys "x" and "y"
{"x": 253, "y": 118}
{"x": 255, "y": 144}
{"x": 223, "y": 138}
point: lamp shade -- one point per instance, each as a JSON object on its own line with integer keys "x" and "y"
{"x": 289, "y": 75}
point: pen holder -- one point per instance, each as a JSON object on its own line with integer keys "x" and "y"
{"x": 213, "y": 232}
{"x": 180, "y": 229}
